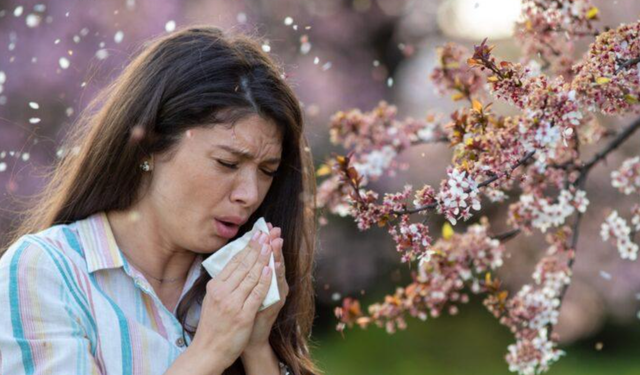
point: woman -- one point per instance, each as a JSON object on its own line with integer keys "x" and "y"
{"x": 198, "y": 138}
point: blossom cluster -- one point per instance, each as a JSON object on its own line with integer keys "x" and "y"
{"x": 551, "y": 111}
{"x": 458, "y": 195}
{"x": 377, "y": 137}
{"x": 456, "y": 261}
{"x": 549, "y": 27}
{"x": 374, "y": 139}
{"x": 540, "y": 212}
{"x": 412, "y": 240}
{"x": 616, "y": 229}
{"x": 608, "y": 80}
{"x": 627, "y": 177}
{"x": 534, "y": 310}
{"x": 452, "y": 74}
{"x": 483, "y": 144}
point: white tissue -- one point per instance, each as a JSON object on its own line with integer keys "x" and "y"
{"x": 215, "y": 263}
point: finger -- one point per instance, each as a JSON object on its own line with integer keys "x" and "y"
{"x": 253, "y": 277}
{"x": 247, "y": 263}
{"x": 239, "y": 258}
{"x": 277, "y": 249}
{"x": 233, "y": 264}
{"x": 283, "y": 287}
{"x": 270, "y": 226}
{"x": 274, "y": 233}
{"x": 258, "y": 293}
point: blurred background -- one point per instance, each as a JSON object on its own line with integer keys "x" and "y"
{"x": 338, "y": 55}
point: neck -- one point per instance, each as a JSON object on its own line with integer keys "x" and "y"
{"x": 142, "y": 241}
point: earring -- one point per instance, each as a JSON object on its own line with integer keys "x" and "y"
{"x": 146, "y": 166}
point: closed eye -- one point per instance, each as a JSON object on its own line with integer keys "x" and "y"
{"x": 235, "y": 166}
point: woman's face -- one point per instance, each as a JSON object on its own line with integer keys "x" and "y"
{"x": 207, "y": 181}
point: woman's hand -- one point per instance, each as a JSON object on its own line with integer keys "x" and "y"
{"x": 264, "y": 319}
{"x": 231, "y": 303}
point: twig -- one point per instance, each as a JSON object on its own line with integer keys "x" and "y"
{"x": 627, "y": 63}
{"x": 617, "y": 141}
{"x": 506, "y": 236}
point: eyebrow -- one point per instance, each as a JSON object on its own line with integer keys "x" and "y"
{"x": 246, "y": 154}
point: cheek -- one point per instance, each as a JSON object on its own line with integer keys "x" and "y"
{"x": 207, "y": 187}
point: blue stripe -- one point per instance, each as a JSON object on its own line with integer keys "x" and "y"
{"x": 16, "y": 323}
{"x": 75, "y": 245}
{"x": 77, "y": 332}
{"x": 125, "y": 338}
{"x": 72, "y": 287}
{"x": 73, "y": 242}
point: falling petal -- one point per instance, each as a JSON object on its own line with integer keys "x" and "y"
{"x": 288, "y": 21}
{"x": 102, "y": 54}
{"x": 64, "y": 62}
{"x": 170, "y": 26}
{"x": 34, "y": 120}
{"x": 18, "y": 11}
{"x": 3, "y": 167}
{"x": 33, "y": 20}
{"x": 305, "y": 48}
{"x": 34, "y": 105}
{"x": 118, "y": 37}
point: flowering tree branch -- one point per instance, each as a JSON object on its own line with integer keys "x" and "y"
{"x": 556, "y": 118}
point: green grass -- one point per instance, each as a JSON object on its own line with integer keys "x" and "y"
{"x": 471, "y": 343}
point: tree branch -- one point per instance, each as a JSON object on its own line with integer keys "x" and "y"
{"x": 580, "y": 183}
{"x": 617, "y": 141}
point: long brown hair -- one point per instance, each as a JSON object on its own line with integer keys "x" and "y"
{"x": 197, "y": 76}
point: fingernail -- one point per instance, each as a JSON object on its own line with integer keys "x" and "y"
{"x": 265, "y": 249}
{"x": 265, "y": 270}
{"x": 263, "y": 237}
{"x": 255, "y": 235}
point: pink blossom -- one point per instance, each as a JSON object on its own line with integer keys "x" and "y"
{"x": 627, "y": 178}
{"x": 458, "y": 195}
{"x": 617, "y": 230}
{"x": 609, "y": 78}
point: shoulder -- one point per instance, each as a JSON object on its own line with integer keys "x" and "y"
{"x": 52, "y": 250}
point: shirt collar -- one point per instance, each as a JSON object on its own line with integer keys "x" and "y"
{"x": 101, "y": 249}
{"x": 98, "y": 242}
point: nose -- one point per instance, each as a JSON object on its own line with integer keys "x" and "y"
{"x": 245, "y": 188}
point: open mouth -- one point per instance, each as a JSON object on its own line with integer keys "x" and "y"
{"x": 230, "y": 225}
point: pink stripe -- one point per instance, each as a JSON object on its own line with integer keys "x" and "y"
{"x": 85, "y": 283}
{"x": 26, "y": 290}
{"x": 156, "y": 316}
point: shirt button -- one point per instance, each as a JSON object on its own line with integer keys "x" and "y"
{"x": 180, "y": 342}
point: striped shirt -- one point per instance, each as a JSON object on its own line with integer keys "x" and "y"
{"x": 72, "y": 304}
